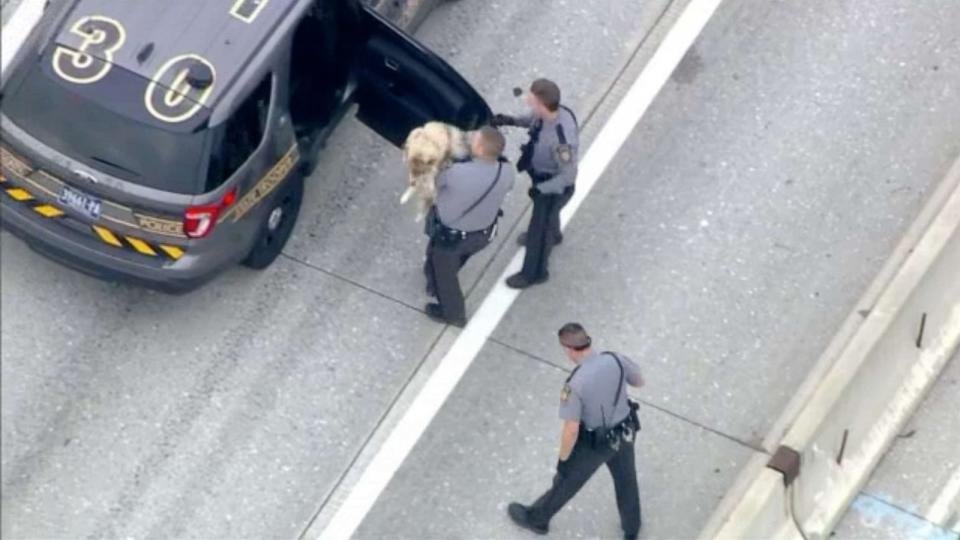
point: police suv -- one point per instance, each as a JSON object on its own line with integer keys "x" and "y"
{"x": 160, "y": 142}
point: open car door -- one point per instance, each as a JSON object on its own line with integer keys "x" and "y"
{"x": 402, "y": 85}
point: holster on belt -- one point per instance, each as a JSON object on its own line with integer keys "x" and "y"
{"x": 526, "y": 149}
{"x": 633, "y": 419}
{"x": 604, "y": 436}
{"x": 608, "y": 436}
{"x": 526, "y": 156}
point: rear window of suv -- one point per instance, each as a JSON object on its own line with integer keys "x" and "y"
{"x": 239, "y": 136}
{"x": 106, "y": 126}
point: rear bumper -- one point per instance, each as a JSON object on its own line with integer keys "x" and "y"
{"x": 87, "y": 255}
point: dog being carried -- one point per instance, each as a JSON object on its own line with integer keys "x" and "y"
{"x": 428, "y": 150}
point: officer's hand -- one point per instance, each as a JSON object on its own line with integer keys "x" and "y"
{"x": 502, "y": 120}
{"x": 533, "y": 192}
{"x": 562, "y": 467}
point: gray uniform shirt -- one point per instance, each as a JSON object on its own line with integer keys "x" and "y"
{"x": 588, "y": 395}
{"x": 462, "y": 184}
{"x": 545, "y": 159}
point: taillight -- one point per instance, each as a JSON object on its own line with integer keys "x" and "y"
{"x": 198, "y": 221}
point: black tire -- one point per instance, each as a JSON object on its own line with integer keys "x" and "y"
{"x": 275, "y": 232}
{"x": 308, "y": 165}
{"x": 308, "y": 156}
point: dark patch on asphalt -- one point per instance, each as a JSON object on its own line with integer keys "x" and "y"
{"x": 688, "y": 69}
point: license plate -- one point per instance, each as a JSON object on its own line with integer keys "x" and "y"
{"x": 87, "y": 205}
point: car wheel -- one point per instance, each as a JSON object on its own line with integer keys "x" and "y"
{"x": 277, "y": 225}
{"x": 308, "y": 157}
{"x": 307, "y": 166}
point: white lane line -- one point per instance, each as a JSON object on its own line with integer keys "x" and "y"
{"x": 18, "y": 27}
{"x": 451, "y": 369}
{"x": 947, "y": 504}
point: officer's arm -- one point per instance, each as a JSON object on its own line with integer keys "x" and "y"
{"x": 524, "y": 121}
{"x": 565, "y": 178}
{"x": 441, "y": 181}
{"x": 571, "y": 410}
{"x": 632, "y": 372}
{"x": 568, "y": 438}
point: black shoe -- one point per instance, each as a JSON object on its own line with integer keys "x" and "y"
{"x": 522, "y": 239}
{"x": 520, "y": 281}
{"x": 520, "y": 515}
{"x": 629, "y": 537}
{"x": 435, "y": 312}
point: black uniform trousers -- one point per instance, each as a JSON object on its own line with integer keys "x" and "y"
{"x": 543, "y": 229}
{"x": 444, "y": 261}
{"x": 580, "y": 466}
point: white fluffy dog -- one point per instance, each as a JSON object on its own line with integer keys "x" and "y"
{"x": 428, "y": 150}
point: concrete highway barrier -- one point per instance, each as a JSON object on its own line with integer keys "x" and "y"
{"x": 865, "y": 387}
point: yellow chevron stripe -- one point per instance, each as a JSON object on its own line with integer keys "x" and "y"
{"x": 173, "y": 251}
{"x": 141, "y": 246}
{"x": 107, "y": 236}
{"x": 48, "y": 211}
{"x": 20, "y": 194}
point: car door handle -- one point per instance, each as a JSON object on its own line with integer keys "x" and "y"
{"x": 391, "y": 64}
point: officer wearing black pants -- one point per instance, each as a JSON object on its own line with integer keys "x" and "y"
{"x": 463, "y": 221}
{"x": 543, "y": 233}
{"x": 600, "y": 426}
{"x": 550, "y": 157}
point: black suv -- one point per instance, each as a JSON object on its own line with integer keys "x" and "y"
{"x": 160, "y": 142}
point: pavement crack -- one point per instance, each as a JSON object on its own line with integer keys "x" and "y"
{"x": 674, "y": 414}
{"x": 528, "y": 354}
{"x": 692, "y": 422}
{"x": 349, "y": 281}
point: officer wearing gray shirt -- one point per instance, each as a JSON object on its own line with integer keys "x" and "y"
{"x": 550, "y": 157}
{"x": 599, "y": 428}
{"x": 462, "y": 184}
{"x": 587, "y": 393}
{"x": 464, "y": 221}
{"x": 554, "y": 174}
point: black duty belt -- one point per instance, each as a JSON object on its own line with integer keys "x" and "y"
{"x": 619, "y": 425}
{"x": 539, "y": 178}
{"x": 457, "y": 233}
{"x": 449, "y": 233}
{"x": 599, "y": 438}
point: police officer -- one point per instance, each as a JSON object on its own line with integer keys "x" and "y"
{"x": 599, "y": 427}
{"x": 464, "y": 220}
{"x": 550, "y": 158}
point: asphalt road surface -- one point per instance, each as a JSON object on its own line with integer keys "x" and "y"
{"x": 727, "y": 241}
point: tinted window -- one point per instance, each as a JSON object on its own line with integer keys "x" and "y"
{"x": 240, "y": 136}
{"x": 106, "y": 126}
